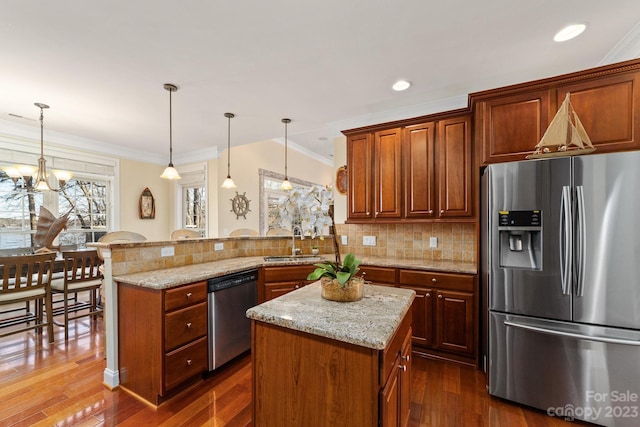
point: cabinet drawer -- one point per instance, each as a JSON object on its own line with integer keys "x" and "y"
{"x": 184, "y": 363}
{"x": 185, "y": 325}
{"x": 461, "y": 282}
{"x": 185, "y": 295}
{"x": 286, "y": 274}
{"x": 379, "y": 274}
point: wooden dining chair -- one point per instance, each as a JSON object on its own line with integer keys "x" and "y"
{"x": 81, "y": 273}
{"x": 26, "y": 278}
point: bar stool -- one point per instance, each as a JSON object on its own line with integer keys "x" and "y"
{"x": 26, "y": 278}
{"x": 81, "y": 273}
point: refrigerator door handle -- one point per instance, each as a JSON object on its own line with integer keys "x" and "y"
{"x": 571, "y": 334}
{"x": 566, "y": 239}
{"x": 580, "y": 241}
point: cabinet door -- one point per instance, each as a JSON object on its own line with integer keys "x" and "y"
{"x": 390, "y": 397}
{"x": 608, "y": 110}
{"x": 512, "y": 125}
{"x": 359, "y": 161}
{"x": 454, "y": 322}
{"x": 387, "y": 177}
{"x": 422, "y": 322}
{"x": 454, "y": 167}
{"x": 419, "y": 169}
{"x": 405, "y": 382}
{"x": 384, "y": 276}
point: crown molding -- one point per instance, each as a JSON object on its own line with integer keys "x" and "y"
{"x": 292, "y": 145}
{"x": 625, "y": 49}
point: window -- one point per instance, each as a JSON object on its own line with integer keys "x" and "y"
{"x": 87, "y": 200}
{"x": 270, "y": 194}
{"x": 191, "y": 210}
{"x": 18, "y": 212}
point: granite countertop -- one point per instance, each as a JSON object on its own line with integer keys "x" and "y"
{"x": 176, "y": 276}
{"x": 370, "y": 322}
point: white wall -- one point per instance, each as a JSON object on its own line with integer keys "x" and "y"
{"x": 245, "y": 162}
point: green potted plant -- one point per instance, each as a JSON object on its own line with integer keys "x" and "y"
{"x": 339, "y": 281}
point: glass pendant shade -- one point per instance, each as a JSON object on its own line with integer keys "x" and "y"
{"x": 170, "y": 172}
{"x": 228, "y": 182}
{"x": 286, "y": 185}
{"x": 42, "y": 181}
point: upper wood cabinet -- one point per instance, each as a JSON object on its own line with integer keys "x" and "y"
{"x": 454, "y": 167}
{"x": 360, "y": 184}
{"x": 509, "y": 127}
{"x": 510, "y": 121}
{"x": 387, "y": 177}
{"x": 418, "y": 172}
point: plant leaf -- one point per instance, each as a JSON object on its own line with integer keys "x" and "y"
{"x": 343, "y": 277}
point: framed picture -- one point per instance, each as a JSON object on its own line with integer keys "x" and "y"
{"x": 341, "y": 180}
{"x": 147, "y": 205}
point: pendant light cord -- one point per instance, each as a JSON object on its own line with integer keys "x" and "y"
{"x": 170, "y": 131}
{"x": 229, "y": 145}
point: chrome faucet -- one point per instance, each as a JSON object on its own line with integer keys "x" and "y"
{"x": 294, "y": 250}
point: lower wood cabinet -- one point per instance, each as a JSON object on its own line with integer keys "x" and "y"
{"x": 276, "y": 281}
{"x": 444, "y": 313}
{"x": 162, "y": 338}
{"x": 349, "y": 385}
{"x": 385, "y": 276}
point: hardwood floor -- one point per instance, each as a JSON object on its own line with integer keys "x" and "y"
{"x": 61, "y": 385}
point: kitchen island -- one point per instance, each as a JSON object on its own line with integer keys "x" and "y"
{"x": 318, "y": 361}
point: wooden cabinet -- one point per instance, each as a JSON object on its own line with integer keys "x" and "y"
{"x": 455, "y": 182}
{"x": 359, "y": 176}
{"x": 373, "y": 169}
{"x": 162, "y": 338}
{"x": 444, "y": 313}
{"x": 510, "y": 121}
{"x": 300, "y": 377}
{"x": 395, "y": 396}
{"x": 277, "y": 281}
{"x": 436, "y": 182}
{"x": 509, "y": 127}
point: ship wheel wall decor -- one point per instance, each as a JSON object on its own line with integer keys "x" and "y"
{"x": 240, "y": 205}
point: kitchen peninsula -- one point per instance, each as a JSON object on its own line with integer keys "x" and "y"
{"x": 343, "y": 363}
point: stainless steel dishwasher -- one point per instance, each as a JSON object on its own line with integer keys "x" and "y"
{"x": 230, "y": 297}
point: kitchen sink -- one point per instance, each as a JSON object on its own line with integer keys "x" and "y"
{"x": 296, "y": 258}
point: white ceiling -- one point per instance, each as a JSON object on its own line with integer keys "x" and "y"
{"x": 328, "y": 65}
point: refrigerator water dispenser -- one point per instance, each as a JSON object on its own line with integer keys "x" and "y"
{"x": 520, "y": 239}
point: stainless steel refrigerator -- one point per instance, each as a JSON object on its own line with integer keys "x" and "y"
{"x": 561, "y": 270}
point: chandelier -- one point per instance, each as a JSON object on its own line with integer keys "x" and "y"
{"x": 26, "y": 172}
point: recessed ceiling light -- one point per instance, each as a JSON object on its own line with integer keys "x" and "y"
{"x": 569, "y": 32}
{"x": 401, "y": 85}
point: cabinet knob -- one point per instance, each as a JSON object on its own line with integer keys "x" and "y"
{"x": 434, "y": 280}
{"x": 297, "y": 286}
{"x": 441, "y": 211}
{"x": 406, "y": 357}
{"x": 189, "y": 294}
{"x": 188, "y": 362}
{"x": 188, "y": 325}
{"x": 430, "y": 211}
{"x": 428, "y": 295}
{"x": 404, "y": 368}
{"x": 368, "y": 213}
{"x": 440, "y": 296}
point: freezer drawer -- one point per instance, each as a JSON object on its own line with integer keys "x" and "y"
{"x": 552, "y": 366}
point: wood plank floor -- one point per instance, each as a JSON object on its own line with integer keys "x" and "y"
{"x": 61, "y": 385}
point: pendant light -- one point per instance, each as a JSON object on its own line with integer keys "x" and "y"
{"x": 41, "y": 183}
{"x": 228, "y": 182}
{"x": 170, "y": 172}
{"x": 286, "y": 185}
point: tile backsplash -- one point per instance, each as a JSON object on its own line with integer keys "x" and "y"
{"x": 455, "y": 241}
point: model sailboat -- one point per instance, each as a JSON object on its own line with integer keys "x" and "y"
{"x": 565, "y": 135}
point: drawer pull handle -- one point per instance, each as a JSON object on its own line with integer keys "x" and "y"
{"x": 188, "y": 325}
{"x": 188, "y": 362}
{"x": 434, "y": 280}
{"x": 189, "y": 294}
